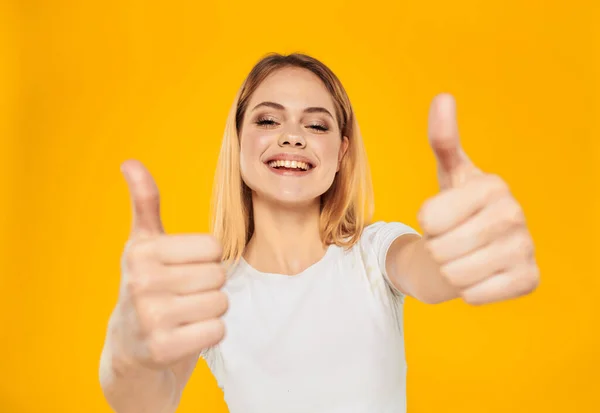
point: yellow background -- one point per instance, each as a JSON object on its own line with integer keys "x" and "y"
{"x": 85, "y": 85}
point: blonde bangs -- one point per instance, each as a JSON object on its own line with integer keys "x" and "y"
{"x": 346, "y": 208}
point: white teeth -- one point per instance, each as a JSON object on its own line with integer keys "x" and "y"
{"x": 289, "y": 164}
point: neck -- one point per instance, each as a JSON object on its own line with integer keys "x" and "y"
{"x": 286, "y": 239}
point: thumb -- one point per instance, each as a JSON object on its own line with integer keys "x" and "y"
{"x": 145, "y": 200}
{"x": 454, "y": 167}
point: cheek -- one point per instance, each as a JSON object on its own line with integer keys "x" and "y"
{"x": 329, "y": 151}
{"x": 253, "y": 145}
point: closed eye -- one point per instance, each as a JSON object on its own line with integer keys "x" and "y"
{"x": 272, "y": 123}
{"x": 320, "y": 128}
{"x": 266, "y": 122}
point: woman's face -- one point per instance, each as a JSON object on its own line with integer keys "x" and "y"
{"x": 291, "y": 145}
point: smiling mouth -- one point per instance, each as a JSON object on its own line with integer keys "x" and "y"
{"x": 290, "y": 165}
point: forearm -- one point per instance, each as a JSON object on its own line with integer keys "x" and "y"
{"x": 414, "y": 271}
{"x": 134, "y": 389}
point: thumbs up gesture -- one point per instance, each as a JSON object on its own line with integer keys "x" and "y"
{"x": 474, "y": 229}
{"x": 170, "y": 303}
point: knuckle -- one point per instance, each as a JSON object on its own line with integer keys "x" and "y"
{"x": 521, "y": 285}
{"x": 137, "y": 284}
{"x": 137, "y": 253}
{"x": 518, "y": 286}
{"x": 216, "y": 333}
{"x": 496, "y": 231}
{"x": 213, "y": 246}
{"x": 150, "y": 315}
{"x": 499, "y": 221}
{"x": 523, "y": 246}
{"x": 496, "y": 186}
{"x": 471, "y": 299}
{"x": 220, "y": 276}
{"x": 466, "y": 297}
{"x": 437, "y": 250}
{"x": 533, "y": 279}
{"x": 220, "y": 330}
{"x": 422, "y": 216}
{"x": 425, "y": 215}
{"x": 218, "y": 303}
{"x": 158, "y": 348}
{"x": 222, "y": 302}
{"x": 431, "y": 248}
{"x": 479, "y": 229}
{"x": 513, "y": 212}
{"x": 455, "y": 279}
{"x": 497, "y": 183}
{"x": 133, "y": 255}
{"x": 447, "y": 275}
{"x": 484, "y": 234}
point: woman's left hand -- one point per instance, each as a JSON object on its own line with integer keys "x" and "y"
{"x": 474, "y": 229}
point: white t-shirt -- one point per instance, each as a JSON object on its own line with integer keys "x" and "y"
{"x": 327, "y": 340}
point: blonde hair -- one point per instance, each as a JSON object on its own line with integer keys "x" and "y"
{"x": 346, "y": 207}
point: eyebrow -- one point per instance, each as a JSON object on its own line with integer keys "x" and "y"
{"x": 312, "y": 109}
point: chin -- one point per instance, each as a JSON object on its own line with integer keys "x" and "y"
{"x": 286, "y": 190}
{"x": 288, "y": 198}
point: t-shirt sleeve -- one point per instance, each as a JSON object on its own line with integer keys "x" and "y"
{"x": 212, "y": 357}
{"x": 378, "y": 237}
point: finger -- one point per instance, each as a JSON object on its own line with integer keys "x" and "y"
{"x": 493, "y": 258}
{"x": 187, "y": 249}
{"x": 489, "y": 224}
{"x": 503, "y": 286}
{"x": 145, "y": 200}
{"x": 172, "y": 345}
{"x": 196, "y": 307}
{"x": 452, "y": 208}
{"x": 191, "y": 278}
{"x": 454, "y": 167}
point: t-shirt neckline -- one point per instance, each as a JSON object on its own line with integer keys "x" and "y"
{"x": 322, "y": 261}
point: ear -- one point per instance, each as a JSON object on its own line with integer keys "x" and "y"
{"x": 343, "y": 149}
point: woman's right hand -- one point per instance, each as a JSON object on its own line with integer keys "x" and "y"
{"x": 171, "y": 303}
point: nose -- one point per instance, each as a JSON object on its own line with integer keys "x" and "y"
{"x": 288, "y": 139}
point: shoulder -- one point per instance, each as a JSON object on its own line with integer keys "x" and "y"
{"x": 379, "y": 235}
{"x": 371, "y": 252}
{"x": 375, "y": 243}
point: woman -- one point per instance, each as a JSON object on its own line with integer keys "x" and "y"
{"x": 309, "y": 316}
